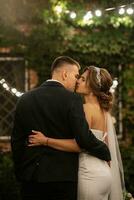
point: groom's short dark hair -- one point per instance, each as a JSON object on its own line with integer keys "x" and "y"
{"x": 61, "y": 60}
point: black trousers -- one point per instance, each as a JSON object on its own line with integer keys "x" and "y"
{"x": 49, "y": 191}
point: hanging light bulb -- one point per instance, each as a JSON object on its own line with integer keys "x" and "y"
{"x": 88, "y": 16}
{"x": 121, "y": 11}
{"x": 2, "y": 80}
{"x": 18, "y": 94}
{"x": 98, "y": 13}
{"x": 5, "y": 86}
{"x": 58, "y": 9}
{"x": 130, "y": 11}
{"x": 13, "y": 91}
{"x": 73, "y": 15}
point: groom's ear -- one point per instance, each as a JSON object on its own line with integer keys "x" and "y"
{"x": 64, "y": 75}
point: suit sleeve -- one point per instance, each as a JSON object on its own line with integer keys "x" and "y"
{"x": 83, "y": 135}
{"x": 18, "y": 139}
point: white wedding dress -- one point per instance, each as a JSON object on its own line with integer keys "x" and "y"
{"x": 96, "y": 180}
{"x": 94, "y": 177}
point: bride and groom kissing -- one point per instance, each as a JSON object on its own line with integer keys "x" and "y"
{"x": 64, "y": 146}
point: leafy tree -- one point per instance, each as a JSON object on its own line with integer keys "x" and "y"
{"x": 105, "y": 41}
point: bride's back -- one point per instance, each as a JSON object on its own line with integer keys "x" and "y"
{"x": 95, "y": 116}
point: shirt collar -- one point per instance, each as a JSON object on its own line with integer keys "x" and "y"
{"x": 54, "y": 81}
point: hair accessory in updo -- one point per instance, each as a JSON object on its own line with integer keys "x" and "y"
{"x": 98, "y": 75}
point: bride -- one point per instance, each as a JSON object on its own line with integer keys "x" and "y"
{"x": 97, "y": 179}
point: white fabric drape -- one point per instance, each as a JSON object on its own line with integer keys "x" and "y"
{"x": 118, "y": 185}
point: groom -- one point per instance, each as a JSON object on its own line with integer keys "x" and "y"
{"x": 54, "y": 109}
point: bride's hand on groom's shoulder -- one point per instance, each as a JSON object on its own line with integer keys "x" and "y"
{"x": 37, "y": 138}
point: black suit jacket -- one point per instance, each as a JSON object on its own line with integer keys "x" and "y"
{"x": 59, "y": 114}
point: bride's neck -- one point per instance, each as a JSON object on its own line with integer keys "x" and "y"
{"x": 91, "y": 98}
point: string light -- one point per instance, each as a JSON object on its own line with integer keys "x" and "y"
{"x": 98, "y": 13}
{"x": 121, "y": 11}
{"x": 6, "y": 86}
{"x": 88, "y": 16}
{"x": 73, "y": 15}
{"x": 130, "y": 11}
{"x": 58, "y": 9}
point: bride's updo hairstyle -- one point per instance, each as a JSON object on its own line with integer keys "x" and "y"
{"x": 99, "y": 81}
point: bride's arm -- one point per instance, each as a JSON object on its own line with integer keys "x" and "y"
{"x": 37, "y": 138}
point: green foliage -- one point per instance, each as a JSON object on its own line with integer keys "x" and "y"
{"x": 127, "y": 196}
{"x": 128, "y": 163}
{"x": 128, "y": 96}
{"x": 9, "y": 188}
{"x": 9, "y": 36}
{"x": 105, "y": 41}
